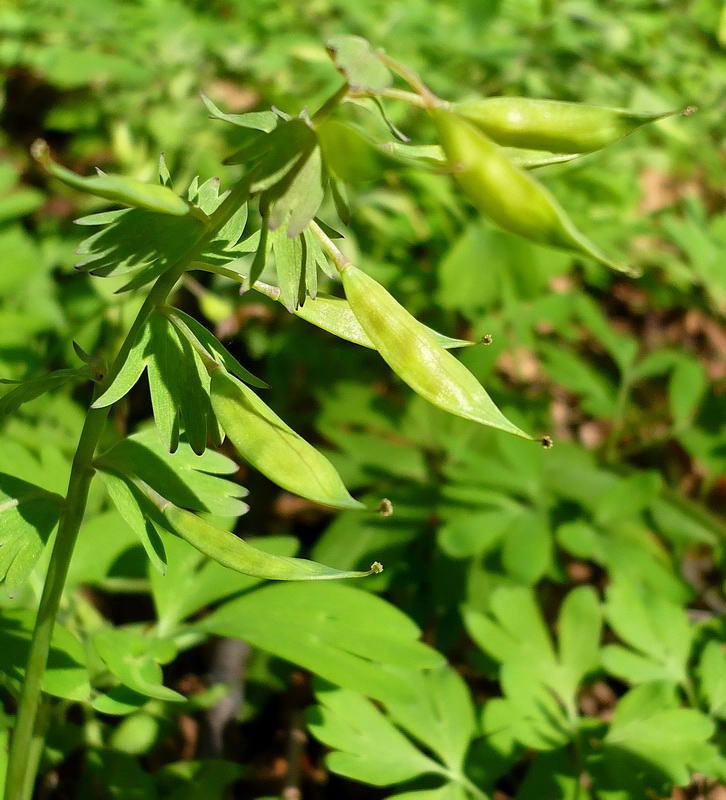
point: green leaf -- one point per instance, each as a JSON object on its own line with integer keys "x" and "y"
{"x": 162, "y": 382}
{"x": 297, "y": 199}
{"x": 712, "y": 673}
{"x": 258, "y": 120}
{"x": 356, "y": 60}
{"x": 28, "y": 515}
{"x": 118, "y": 188}
{"x": 527, "y": 547}
{"x": 135, "y": 242}
{"x": 669, "y": 739}
{"x": 686, "y": 387}
{"x": 65, "y": 675}
{"x": 129, "y": 372}
{"x": 656, "y": 629}
{"x": 209, "y": 779}
{"x": 35, "y": 387}
{"x": 289, "y": 267}
{"x": 217, "y": 350}
{"x": 134, "y": 659}
{"x": 441, "y": 717}
{"x": 136, "y": 511}
{"x": 183, "y": 478}
{"x": 367, "y": 747}
{"x": 517, "y": 636}
{"x": 343, "y": 634}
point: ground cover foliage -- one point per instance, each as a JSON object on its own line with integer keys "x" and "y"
{"x": 549, "y": 623}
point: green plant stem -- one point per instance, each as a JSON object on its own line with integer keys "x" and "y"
{"x": 21, "y": 772}
{"x": 337, "y": 257}
{"x": 330, "y": 104}
{"x": 413, "y": 79}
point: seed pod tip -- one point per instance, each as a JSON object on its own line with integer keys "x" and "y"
{"x": 385, "y": 507}
{"x": 376, "y": 568}
{"x": 688, "y": 110}
{"x": 487, "y": 338}
{"x": 546, "y": 442}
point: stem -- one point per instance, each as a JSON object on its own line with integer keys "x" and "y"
{"x": 393, "y": 94}
{"x": 413, "y": 79}
{"x": 337, "y": 257}
{"x": 330, "y": 104}
{"x": 618, "y": 414}
{"x": 21, "y": 772}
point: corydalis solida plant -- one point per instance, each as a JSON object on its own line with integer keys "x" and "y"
{"x": 199, "y": 392}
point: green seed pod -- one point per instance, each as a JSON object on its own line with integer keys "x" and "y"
{"x": 552, "y": 124}
{"x": 334, "y": 314}
{"x": 118, "y": 188}
{"x": 272, "y": 447}
{"x": 231, "y": 551}
{"x": 506, "y": 194}
{"x": 416, "y": 357}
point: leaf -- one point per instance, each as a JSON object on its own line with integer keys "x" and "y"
{"x": 343, "y": 634}
{"x": 289, "y": 268}
{"x": 656, "y": 629}
{"x": 28, "y": 515}
{"x": 218, "y": 351}
{"x": 137, "y": 243}
{"x": 65, "y": 675}
{"x": 517, "y": 636}
{"x": 669, "y": 739}
{"x": 295, "y": 205}
{"x": 237, "y": 554}
{"x": 129, "y": 372}
{"x": 712, "y": 673}
{"x": 686, "y": 388}
{"x": 117, "y": 188}
{"x": 358, "y": 63}
{"x": 258, "y": 120}
{"x": 183, "y": 478}
{"x": 35, "y": 387}
{"x": 134, "y": 659}
{"x": 162, "y": 381}
{"x": 367, "y": 746}
{"x": 136, "y": 512}
{"x": 208, "y": 778}
{"x": 441, "y": 717}
{"x": 527, "y": 547}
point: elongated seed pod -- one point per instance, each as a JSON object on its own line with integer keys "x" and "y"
{"x": 416, "y": 357}
{"x": 237, "y": 554}
{"x": 272, "y": 447}
{"x": 334, "y": 314}
{"x": 118, "y": 188}
{"x": 506, "y": 194}
{"x": 553, "y": 125}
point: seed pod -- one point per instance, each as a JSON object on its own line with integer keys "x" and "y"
{"x": 334, "y": 314}
{"x": 506, "y": 194}
{"x": 416, "y": 357}
{"x": 272, "y": 447}
{"x": 552, "y": 124}
{"x": 231, "y": 551}
{"x": 118, "y": 188}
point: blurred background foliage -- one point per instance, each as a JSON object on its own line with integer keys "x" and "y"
{"x": 628, "y": 376}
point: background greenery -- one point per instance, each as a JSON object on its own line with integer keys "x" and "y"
{"x": 611, "y": 541}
